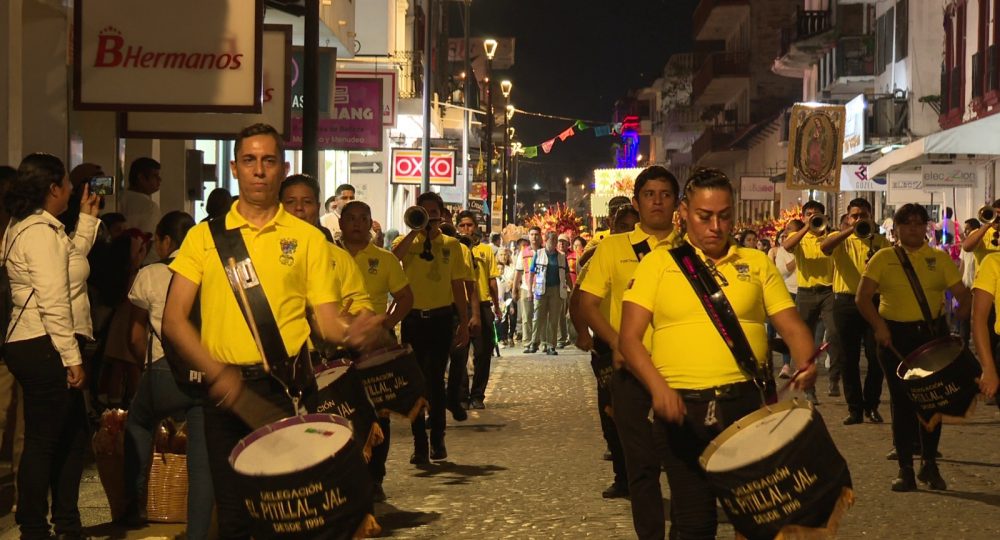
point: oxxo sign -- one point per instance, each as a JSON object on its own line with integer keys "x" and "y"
{"x": 950, "y": 175}
{"x": 408, "y": 168}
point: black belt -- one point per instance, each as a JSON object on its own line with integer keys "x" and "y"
{"x": 486, "y": 303}
{"x": 253, "y": 372}
{"x": 724, "y": 392}
{"x": 841, "y": 295}
{"x": 444, "y": 311}
{"x": 817, "y": 289}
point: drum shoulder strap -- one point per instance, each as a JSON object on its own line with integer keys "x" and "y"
{"x": 719, "y": 310}
{"x": 233, "y": 253}
{"x": 918, "y": 290}
{"x": 641, "y": 249}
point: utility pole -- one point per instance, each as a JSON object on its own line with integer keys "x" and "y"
{"x": 425, "y": 180}
{"x": 310, "y": 90}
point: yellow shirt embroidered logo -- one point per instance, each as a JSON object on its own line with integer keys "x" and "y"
{"x": 373, "y": 266}
{"x": 288, "y": 247}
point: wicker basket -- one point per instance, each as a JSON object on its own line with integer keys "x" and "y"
{"x": 168, "y": 489}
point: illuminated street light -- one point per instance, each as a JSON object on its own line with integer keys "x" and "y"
{"x": 490, "y": 46}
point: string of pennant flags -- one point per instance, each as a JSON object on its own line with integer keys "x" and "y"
{"x": 603, "y": 130}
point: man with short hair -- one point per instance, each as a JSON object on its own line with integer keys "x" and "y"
{"x": 136, "y": 202}
{"x": 341, "y": 196}
{"x": 549, "y": 282}
{"x": 486, "y": 273}
{"x": 290, "y": 262}
{"x": 522, "y": 288}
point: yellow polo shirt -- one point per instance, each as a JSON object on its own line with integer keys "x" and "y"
{"x": 687, "y": 349}
{"x": 813, "y": 267}
{"x": 382, "y": 275}
{"x": 935, "y": 272}
{"x": 610, "y": 269}
{"x": 292, "y": 262}
{"x": 850, "y": 259}
{"x": 985, "y": 247}
{"x": 349, "y": 284}
{"x": 988, "y": 280}
{"x": 431, "y": 280}
{"x": 486, "y": 270}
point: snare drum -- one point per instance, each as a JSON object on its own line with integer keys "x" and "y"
{"x": 340, "y": 392}
{"x": 777, "y": 470}
{"x": 940, "y": 378}
{"x": 393, "y": 381}
{"x": 303, "y": 477}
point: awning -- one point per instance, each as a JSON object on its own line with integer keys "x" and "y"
{"x": 968, "y": 141}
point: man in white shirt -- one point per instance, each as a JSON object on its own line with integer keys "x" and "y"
{"x": 136, "y": 202}
{"x": 341, "y": 196}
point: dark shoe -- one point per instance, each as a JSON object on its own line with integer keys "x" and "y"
{"x": 419, "y": 459}
{"x": 458, "y": 413}
{"x": 905, "y": 480}
{"x": 892, "y": 455}
{"x": 811, "y": 397}
{"x": 439, "y": 452}
{"x": 551, "y": 351}
{"x": 478, "y": 404}
{"x": 615, "y": 491}
{"x": 874, "y": 417}
{"x": 930, "y": 475}
{"x": 531, "y": 349}
{"x": 854, "y": 418}
{"x": 607, "y": 455}
{"x": 465, "y": 405}
{"x": 834, "y": 390}
{"x": 379, "y": 495}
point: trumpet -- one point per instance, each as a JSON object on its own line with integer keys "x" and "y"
{"x": 864, "y": 229}
{"x": 415, "y": 217}
{"x": 818, "y": 223}
{"x": 988, "y": 215}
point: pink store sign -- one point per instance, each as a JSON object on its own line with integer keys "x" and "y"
{"x": 355, "y": 121}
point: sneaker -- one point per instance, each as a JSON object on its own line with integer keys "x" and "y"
{"x": 930, "y": 475}
{"x": 438, "y": 451}
{"x": 419, "y": 458}
{"x": 786, "y": 372}
{"x": 615, "y": 491}
{"x": 904, "y": 481}
{"x": 531, "y": 349}
{"x": 551, "y": 351}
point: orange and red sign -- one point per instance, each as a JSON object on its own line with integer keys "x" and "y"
{"x": 408, "y": 168}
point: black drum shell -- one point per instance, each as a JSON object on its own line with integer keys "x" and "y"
{"x": 345, "y": 397}
{"x": 809, "y": 461}
{"x": 395, "y": 385}
{"x": 342, "y": 478}
{"x": 951, "y": 389}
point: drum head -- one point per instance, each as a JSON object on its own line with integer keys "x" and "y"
{"x": 290, "y": 445}
{"x": 756, "y": 436}
{"x": 329, "y": 373}
{"x": 933, "y": 357}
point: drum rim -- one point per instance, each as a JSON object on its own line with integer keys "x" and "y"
{"x": 332, "y": 364}
{"x": 363, "y": 363}
{"x": 901, "y": 368}
{"x": 742, "y": 423}
{"x": 285, "y": 423}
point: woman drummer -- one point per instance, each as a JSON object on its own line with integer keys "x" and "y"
{"x": 900, "y": 328}
{"x": 696, "y": 385}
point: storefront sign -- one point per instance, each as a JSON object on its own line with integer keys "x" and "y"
{"x": 854, "y": 126}
{"x": 950, "y": 175}
{"x": 388, "y": 79}
{"x": 407, "y": 167}
{"x": 756, "y": 188}
{"x": 182, "y": 55}
{"x": 276, "y": 98}
{"x": 855, "y": 178}
{"x": 898, "y": 181}
{"x": 355, "y": 122}
{"x": 326, "y": 63}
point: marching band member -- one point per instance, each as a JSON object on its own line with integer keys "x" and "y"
{"x": 850, "y": 253}
{"x": 900, "y": 328}
{"x": 697, "y": 386}
{"x": 487, "y": 273}
{"x": 984, "y": 294}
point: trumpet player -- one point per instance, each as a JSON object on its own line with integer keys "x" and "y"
{"x": 982, "y": 242}
{"x": 851, "y": 249}
{"x": 814, "y": 299}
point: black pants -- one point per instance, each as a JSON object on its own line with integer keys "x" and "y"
{"x": 854, "y": 331}
{"x": 54, "y": 440}
{"x": 816, "y": 305}
{"x": 431, "y": 339}
{"x": 692, "y": 504}
{"x": 642, "y": 446}
{"x": 482, "y": 353}
{"x": 608, "y": 429}
{"x": 380, "y": 453}
{"x": 223, "y": 430}
{"x": 906, "y": 428}
{"x": 458, "y": 371}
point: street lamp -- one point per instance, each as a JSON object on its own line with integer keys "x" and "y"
{"x": 490, "y": 47}
{"x": 505, "y": 88}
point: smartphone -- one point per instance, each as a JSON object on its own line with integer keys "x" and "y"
{"x": 102, "y": 185}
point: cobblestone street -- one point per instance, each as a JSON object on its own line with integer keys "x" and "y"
{"x": 529, "y": 466}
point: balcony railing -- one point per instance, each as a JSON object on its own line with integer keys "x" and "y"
{"x": 723, "y": 64}
{"x": 705, "y": 8}
{"x": 855, "y": 57}
{"x": 411, "y": 73}
{"x": 808, "y": 23}
{"x": 716, "y": 138}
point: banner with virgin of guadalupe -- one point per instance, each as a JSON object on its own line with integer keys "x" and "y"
{"x": 816, "y": 146}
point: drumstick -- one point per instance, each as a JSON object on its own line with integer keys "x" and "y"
{"x": 249, "y": 312}
{"x": 811, "y": 361}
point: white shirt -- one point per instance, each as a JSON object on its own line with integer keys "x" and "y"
{"x": 141, "y": 212}
{"x": 331, "y": 220}
{"x": 55, "y": 267}
{"x": 519, "y": 267}
{"x": 781, "y": 260}
{"x": 149, "y": 292}
{"x": 969, "y": 267}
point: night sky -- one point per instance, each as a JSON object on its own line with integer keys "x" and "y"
{"x": 575, "y": 59}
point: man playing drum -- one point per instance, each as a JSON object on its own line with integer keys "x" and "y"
{"x": 851, "y": 252}
{"x": 383, "y": 276}
{"x": 697, "y": 387}
{"x": 291, "y": 261}
{"x": 608, "y": 274}
{"x": 900, "y": 328}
